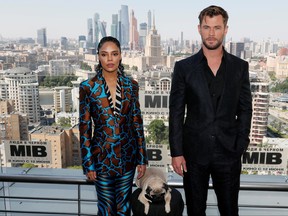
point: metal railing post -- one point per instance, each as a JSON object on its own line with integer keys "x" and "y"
{"x": 79, "y": 200}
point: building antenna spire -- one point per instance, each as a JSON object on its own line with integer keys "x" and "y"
{"x": 154, "y": 27}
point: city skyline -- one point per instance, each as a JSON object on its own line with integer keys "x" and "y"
{"x": 255, "y": 19}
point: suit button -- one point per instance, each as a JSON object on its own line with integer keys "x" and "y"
{"x": 212, "y": 137}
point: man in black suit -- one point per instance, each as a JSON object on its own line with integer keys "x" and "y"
{"x": 213, "y": 88}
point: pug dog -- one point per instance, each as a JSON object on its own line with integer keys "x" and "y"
{"x": 154, "y": 188}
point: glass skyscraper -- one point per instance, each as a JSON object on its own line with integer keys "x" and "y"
{"x": 96, "y": 29}
{"x": 124, "y": 18}
{"x": 89, "y": 33}
{"x": 42, "y": 37}
{"x": 114, "y": 26}
{"x": 142, "y": 35}
{"x": 149, "y": 17}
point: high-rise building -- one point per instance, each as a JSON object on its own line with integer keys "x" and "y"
{"x": 274, "y": 48}
{"x": 55, "y": 137}
{"x": 102, "y": 28}
{"x": 265, "y": 47}
{"x": 59, "y": 67}
{"x": 281, "y": 67}
{"x": 124, "y": 18}
{"x": 89, "y": 41}
{"x": 64, "y": 145}
{"x": 149, "y": 17}
{"x": 237, "y": 48}
{"x": 6, "y": 106}
{"x": 153, "y": 47}
{"x": 4, "y": 93}
{"x": 119, "y": 28}
{"x": 114, "y": 26}
{"x": 260, "y": 104}
{"x": 142, "y": 35}
{"x": 182, "y": 41}
{"x": 64, "y": 43}
{"x": 247, "y": 54}
{"x": 72, "y": 146}
{"x": 96, "y": 29}
{"x": 82, "y": 42}
{"x": 24, "y": 90}
{"x": 14, "y": 127}
{"x": 62, "y": 99}
{"x": 42, "y": 37}
{"x": 134, "y": 34}
{"x": 75, "y": 94}
{"x": 81, "y": 38}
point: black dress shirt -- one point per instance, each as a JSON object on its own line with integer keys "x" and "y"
{"x": 215, "y": 83}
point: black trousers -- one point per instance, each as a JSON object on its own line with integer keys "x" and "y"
{"x": 225, "y": 170}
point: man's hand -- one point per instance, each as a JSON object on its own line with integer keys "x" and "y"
{"x": 179, "y": 165}
{"x": 141, "y": 171}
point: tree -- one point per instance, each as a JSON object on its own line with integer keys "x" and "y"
{"x": 126, "y": 66}
{"x": 28, "y": 165}
{"x": 135, "y": 68}
{"x": 158, "y": 132}
{"x": 272, "y": 76}
{"x": 85, "y": 66}
{"x": 166, "y": 136}
{"x": 74, "y": 167}
{"x": 281, "y": 86}
{"x": 64, "y": 122}
{"x": 53, "y": 81}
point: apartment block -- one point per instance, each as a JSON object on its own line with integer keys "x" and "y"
{"x": 23, "y": 88}
{"x": 260, "y": 102}
{"x": 62, "y": 99}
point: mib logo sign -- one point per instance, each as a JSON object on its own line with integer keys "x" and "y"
{"x": 156, "y": 101}
{"x": 262, "y": 158}
{"x": 19, "y": 152}
{"x": 266, "y": 160}
{"x": 158, "y": 156}
{"x": 28, "y": 151}
{"x": 154, "y": 154}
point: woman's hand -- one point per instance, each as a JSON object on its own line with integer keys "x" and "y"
{"x": 91, "y": 176}
{"x": 141, "y": 171}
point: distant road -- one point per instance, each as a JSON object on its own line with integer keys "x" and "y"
{"x": 46, "y": 90}
{"x": 284, "y": 122}
{"x": 276, "y": 118}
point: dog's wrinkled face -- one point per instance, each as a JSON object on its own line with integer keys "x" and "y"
{"x": 156, "y": 190}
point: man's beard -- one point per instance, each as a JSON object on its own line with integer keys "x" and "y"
{"x": 212, "y": 47}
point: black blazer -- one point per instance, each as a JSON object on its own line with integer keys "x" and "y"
{"x": 194, "y": 135}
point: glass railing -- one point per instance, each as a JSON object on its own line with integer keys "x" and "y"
{"x": 46, "y": 192}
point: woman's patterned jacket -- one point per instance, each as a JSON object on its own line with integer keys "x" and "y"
{"x": 117, "y": 144}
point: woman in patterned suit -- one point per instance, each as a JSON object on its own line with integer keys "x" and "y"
{"x": 109, "y": 107}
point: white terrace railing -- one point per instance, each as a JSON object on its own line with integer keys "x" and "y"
{"x": 58, "y": 194}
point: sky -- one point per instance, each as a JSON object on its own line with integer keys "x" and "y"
{"x": 255, "y": 19}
